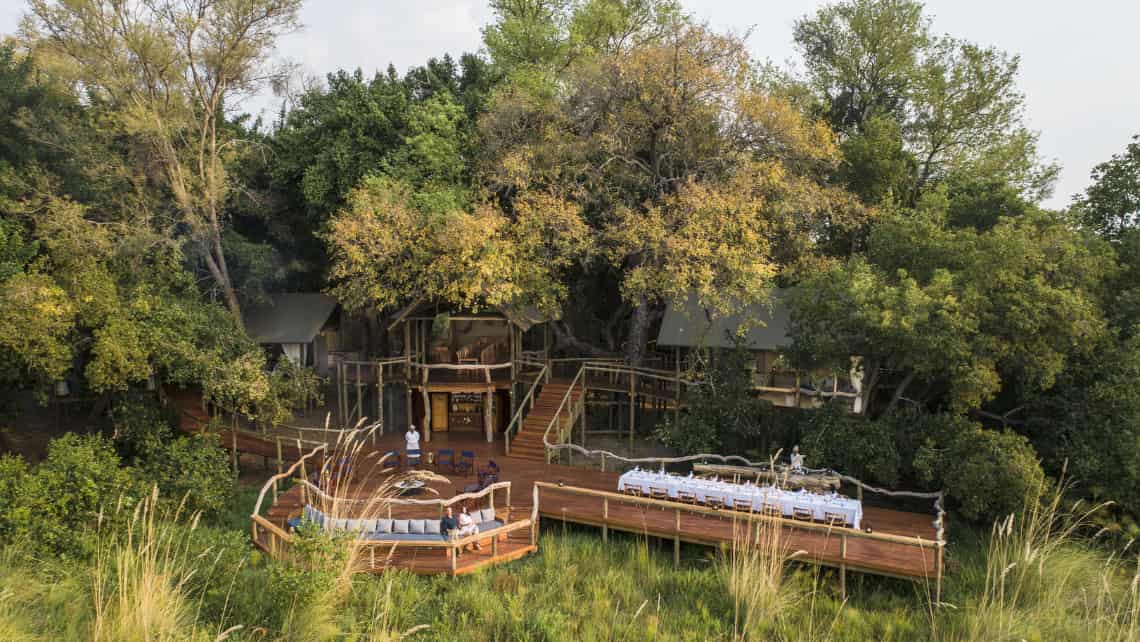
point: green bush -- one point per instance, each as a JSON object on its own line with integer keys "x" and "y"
{"x": 13, "y": 470}
{"x": 833, "y": 438}
{"x": 988, "y": 474}
{"x": 193, "y": 470}
{"x": 141, "y": 427}
{"x": 79, "y": 487}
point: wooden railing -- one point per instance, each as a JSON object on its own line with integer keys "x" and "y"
{"x": 526, "y": 405}
{"x": 844, "y": 533}
{"x": 565, "y": 406}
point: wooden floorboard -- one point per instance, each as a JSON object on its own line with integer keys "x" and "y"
{"x": 885, "y": 558}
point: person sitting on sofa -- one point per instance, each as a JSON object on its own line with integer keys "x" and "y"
{"x": 448, "y": 524}
{"x": 467, "y": 526}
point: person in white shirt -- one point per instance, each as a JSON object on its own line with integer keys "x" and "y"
{"x": 797, "y": 460}
{"x": 412, "y": 438}
{"x": 467, "y": 526}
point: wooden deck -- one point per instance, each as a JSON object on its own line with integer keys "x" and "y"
{"x": 588, "y": 497}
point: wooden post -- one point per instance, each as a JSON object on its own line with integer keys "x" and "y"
{"x": 677, "y": 400}
{"x": 938, "y": 576}
{"x": 279, "y": 466}
{"x": 605, "y": 519}
{"x": 797, "y": 392}
{"x": 358, "y": 412}
{"x": 233, "y": 443}
{"x": 843, "y": 565}
{"x": 427, "y": 407}
{"x": 488, "y": 417}
{"x": 304, "y": 476}
{"x": 379, "y": 400}
{"x": 584, "y": 393}
{"x": 603, "y": 461}
{"x": 677, "y": 539}
{"x": 632, "y": 408}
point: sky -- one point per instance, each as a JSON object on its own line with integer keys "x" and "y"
{"x": 1080, "y": 68}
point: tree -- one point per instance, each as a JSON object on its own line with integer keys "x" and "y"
{"x": 690, "y": 176}
{"x": 964, "y": 311}
{"x": 956, "y": 104}
{"x": 1111, "y": 205}
{"x": 170, "y": 69}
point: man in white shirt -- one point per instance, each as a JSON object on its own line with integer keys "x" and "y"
{"x": 412, "y": 438}
{"x": 467, "y": 526}
{"x": 797, "y": 460}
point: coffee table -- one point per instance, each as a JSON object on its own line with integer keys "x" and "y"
{"x": 410, "y": 486}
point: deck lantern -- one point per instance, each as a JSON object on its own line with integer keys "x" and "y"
{"x": 61, "y": 388}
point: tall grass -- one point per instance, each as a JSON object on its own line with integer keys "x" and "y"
{"x": 1043, "y": 580}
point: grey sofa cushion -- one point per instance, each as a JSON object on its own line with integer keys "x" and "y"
{"x": 405, "y": 537}
{"x": 383, "y": 526}
{"x": 416, "y": 526}
{"x": 400, "y": 526}
{"x": 485, "y": 515}
{"x": 431, "y": 527}
{"x": 486, "y": 526}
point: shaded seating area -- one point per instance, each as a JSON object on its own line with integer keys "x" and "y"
{"x": 386, "y": 529}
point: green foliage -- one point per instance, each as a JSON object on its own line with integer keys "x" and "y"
{"x": 987, "y": 474}
{"x": 833, "y": 437}
{"x": 1111, "y": 205}
{"x": 721, "y": 414}
{"x": 193, "y": 472}
{"x": 59, "y": 505}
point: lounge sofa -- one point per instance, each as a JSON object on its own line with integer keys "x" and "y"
{"x": 392, "y": 530}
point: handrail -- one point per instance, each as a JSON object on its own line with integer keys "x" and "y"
{"x": 401, "y": 501}
{"x": 908, "y": 540}
{"x": 558, "y": 412}
{"x": 279, "y": 476}
{"x": 516, "y": 420}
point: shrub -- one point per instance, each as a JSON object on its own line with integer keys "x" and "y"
{"x": 76, "y": 489}
{"x": 194, "y": 470}
{"x": 987, "y": 473}
{"x": 13, "y": 469}
{"x": 141, "y": 427}
{"x": 850, "y": 444}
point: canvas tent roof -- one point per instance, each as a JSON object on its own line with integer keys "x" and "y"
{"x": 289, "y": 318}
{"x": 691, "y": 325}
{"x": 525, "y": 317}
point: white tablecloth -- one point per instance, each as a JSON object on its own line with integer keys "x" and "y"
{"x": 756, "y": 495}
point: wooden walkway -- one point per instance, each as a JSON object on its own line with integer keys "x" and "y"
{"x": 903, "y": 544}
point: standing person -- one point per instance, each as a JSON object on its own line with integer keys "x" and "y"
{"x": 467, "y": 526}
{"x": 797, "y": 460}
{"x": 412, "y": 438}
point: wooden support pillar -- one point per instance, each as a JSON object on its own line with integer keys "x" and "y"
{"x": 358, "y": 412}
{"x": 584, "y": 393}
{"x": 938, "y": 575}
{"x": 677, "y": 538}
{"x": 379, "y": 400}
{"x": 632, "y": 408}
{"x": 605, "y": 519}
{"x": 843, "y": 566}
{"x": 488, "y": 416}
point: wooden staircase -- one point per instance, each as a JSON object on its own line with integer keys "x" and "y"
{"x": 527, "y": 444}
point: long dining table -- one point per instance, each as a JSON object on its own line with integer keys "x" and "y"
{"x": 756, "y": 495}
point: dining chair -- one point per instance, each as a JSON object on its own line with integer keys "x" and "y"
{"x": 632, "y": 491}
{"x": 715, "y": 503}
{"x": 413, "y": 457}
{"x": 742, "y": 505}
{"x": 489, "y": 474}
{"x": 391, "y": 460}
{"x": 686, "y": 497}
{"x": 466, "y": 462}
{"x": 801, "y": 514}
{"x": 445, "y": 457}
{"x": 770, "y": 510}
{"x": 656, "y": 492}
{"x": 834, "y": 519}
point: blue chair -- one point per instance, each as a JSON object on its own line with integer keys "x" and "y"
{"x": 413, "y": 457}
{"x": 445, "y": 457}
{"x": 391, "y": 460}
{"x": 490, "y": 474}
{"x": 466, "y": 463}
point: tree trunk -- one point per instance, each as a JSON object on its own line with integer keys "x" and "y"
{"x": 897, "y": 396}
{"x": 638, "y": 332}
